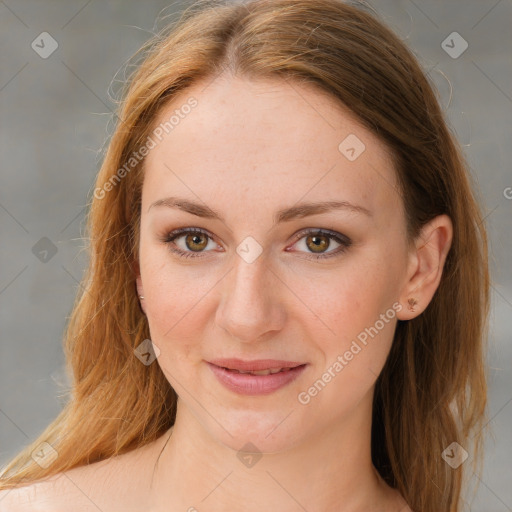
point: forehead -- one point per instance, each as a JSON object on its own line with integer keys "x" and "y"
{"x": 265, "y": 143}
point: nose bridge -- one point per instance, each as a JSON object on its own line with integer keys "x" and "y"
{"x": 250, "y": 303}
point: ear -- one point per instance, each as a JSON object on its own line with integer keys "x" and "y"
{"x": 426, "y": 262}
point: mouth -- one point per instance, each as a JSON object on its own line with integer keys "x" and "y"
{"x": 255, "y": 377}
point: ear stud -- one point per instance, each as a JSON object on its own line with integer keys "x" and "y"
{"x": 412, "y": 303}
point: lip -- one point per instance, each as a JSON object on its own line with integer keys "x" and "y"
{"x": 248, "y": 384}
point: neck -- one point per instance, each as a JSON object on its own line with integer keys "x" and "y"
{"x": 328, "y": 470}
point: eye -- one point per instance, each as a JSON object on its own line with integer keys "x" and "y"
{"x": 192, "y": 242}
{"x": 317, "y": 241}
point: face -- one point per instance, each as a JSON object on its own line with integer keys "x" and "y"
{"x": 250, "y": 273}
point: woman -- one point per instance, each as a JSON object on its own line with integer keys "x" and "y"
{"x": 287, "y": 293}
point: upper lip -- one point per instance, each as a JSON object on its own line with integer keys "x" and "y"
{"x": 254, "y": 365}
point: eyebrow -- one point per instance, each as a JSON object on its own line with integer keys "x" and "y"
{"x": 285, "y": 215}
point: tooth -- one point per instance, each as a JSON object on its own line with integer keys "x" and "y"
{"x": 270, "y": 371}
{"x": 261, "y": 372}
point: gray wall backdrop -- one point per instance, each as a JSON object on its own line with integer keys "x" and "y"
{"x": 55, "y": 110}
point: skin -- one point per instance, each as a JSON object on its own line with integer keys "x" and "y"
{"x": 249, "y": 149}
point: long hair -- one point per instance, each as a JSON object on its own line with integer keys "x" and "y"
{"x": 432, "y": 389}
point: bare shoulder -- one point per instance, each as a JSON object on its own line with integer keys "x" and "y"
{"x": 33, "y": 497}
{"x": 119, "y": 483}
{"x": 64, "y": 491}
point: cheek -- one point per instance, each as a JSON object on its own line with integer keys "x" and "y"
{"x": 346, "y": 300}
{"x": 359, "y": 310}
{"x": 176, "y": 301}
{"x": 354, "y": 336}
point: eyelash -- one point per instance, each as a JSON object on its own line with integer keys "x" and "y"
{"x": 337, "y": 237}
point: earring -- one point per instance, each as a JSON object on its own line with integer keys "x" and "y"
{"x": 141, "y": 297}
{"x": 412, "y": 302}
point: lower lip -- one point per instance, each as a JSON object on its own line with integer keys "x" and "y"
{"x": 248, "y": 384}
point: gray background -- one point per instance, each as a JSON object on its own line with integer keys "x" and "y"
{"x": 56, "y": 115}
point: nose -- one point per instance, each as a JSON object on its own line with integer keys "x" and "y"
{"x": 251, "y": 305}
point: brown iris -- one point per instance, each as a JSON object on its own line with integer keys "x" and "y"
{"x": 196, "y": 241}
{"x": 319, "y": 242}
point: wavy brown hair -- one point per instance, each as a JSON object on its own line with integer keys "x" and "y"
{"x": 432, "y": 389}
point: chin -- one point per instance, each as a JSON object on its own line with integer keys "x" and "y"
{"x": 268, "y": 432}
